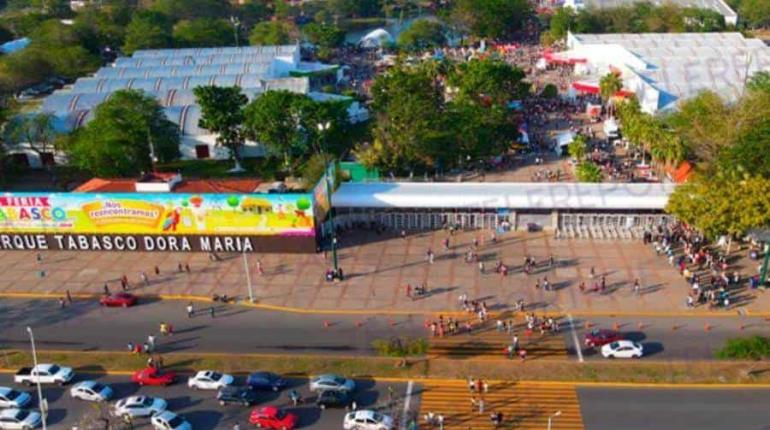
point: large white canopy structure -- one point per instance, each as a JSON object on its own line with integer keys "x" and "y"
{"x": 662, "y": 69}
{"x": 376, "y": 38}
{"x": 521, "y": 196}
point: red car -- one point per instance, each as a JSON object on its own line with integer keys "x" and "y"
{"x": 271, "y": 417}
{"x": 601, "y": 337}
{"x": 152, "y": 376}
{"x": 118, "y": 299}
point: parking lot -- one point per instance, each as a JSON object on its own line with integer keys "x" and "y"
{"x": 202, "y": 410}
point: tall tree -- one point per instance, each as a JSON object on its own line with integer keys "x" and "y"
{"x": 488, "y": 80}
{"x": 271, "y": 33}
{"x": 203, "y": 32}
{"x": 411, "y": 129}
{"x": 274, "y": 119}
{"x": 147, "y": 30}
{"x": 422, "y": 34}
{"x": 126, "y": 132}
{"x": 493, "y": 19}
{"x": 34, "y": 131}
{"x": 609, "y": 85}
{"x": 222, "y": 112}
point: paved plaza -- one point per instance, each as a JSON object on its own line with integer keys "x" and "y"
{"x": 379, "y": 267}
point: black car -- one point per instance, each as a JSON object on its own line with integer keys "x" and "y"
{"x": 334, "y": 399}
{"x": 239, "y": 395}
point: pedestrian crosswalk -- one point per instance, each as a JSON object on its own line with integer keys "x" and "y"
{"x": 486, "y": 342}
{"x": 524, "y": 405}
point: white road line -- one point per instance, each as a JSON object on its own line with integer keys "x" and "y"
{"x": 578, "y": 347}
{"x": 407, "y": 403}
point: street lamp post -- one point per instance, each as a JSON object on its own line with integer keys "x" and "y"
{"x": 40, "y": 399}
{"x": 322, "y": 128}
{"x": 248, "y": 276}
{"x": 551, "y": 417}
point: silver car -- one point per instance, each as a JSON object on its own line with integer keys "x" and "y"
{"x": 331, "y": 382}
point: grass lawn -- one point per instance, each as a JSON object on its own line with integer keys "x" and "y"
{"x": 675, "y": 372}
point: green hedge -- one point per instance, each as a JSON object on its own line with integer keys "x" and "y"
{"x": 748, "y": 348}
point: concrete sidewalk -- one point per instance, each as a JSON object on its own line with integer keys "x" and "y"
{"x": 378, "y": 269}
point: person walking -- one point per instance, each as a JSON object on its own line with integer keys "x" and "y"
{"x": 106, "y": 289}
{"x": 180, "y": 269}
{"x": 211, "y": 311}
{"x": 190, "y": 310}
{"x": 69, "y": 297}
{"x": 62, "y": 303}
{"x": 124, "y": 282}
{"x": 187, "y": 267}
{"x": 145, "y": 279}
{"x": 440, "y": 420}
{"x": 151, "y": 342}
{"x": 157, "y": 270}
{"x": 637, "y": 287}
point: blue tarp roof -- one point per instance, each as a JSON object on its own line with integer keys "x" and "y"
{"x": 14, "y": 45}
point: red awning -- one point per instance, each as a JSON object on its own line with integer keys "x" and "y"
{"x": 586, "y": 87}
{"x": 554, "y": 58}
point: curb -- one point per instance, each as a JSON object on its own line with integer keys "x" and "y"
{"x": 369, "y": 312}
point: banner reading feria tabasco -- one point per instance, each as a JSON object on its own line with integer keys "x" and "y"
{"x": 157, "y": 214}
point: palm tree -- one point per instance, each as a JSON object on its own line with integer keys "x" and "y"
{"x": 609, "y": 84}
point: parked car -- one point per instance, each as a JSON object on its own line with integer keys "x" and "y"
{"x": 334, "y": 399}
{"x": 367, "y": 420}
{"x": 45, "y": 374}
{"x": 19, "y": 419}
{"x": 239, "y": 395}
{"x": 153, "y": 376}
{"x": 209, "y": 380}
{"x": 265, "y": 381}
{"x": 140, "y": 406}
{"x": 123, "y": 300}
{"x": 331, "y": 382}
{"x": 10, "y": 398}
{"x": 601, "y": 337}
{"x": 91, "y": 391}
{"x": 622, "y": 349}
{"x": 168, "y": 420}
{"x": 271, "y": 417}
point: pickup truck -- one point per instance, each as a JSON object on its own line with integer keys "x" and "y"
{"x": 45, "y": 374}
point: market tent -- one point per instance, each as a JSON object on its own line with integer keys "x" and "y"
{"x": 376, "y": 38}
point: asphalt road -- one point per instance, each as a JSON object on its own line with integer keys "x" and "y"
{"x": 673, "y": 338}
{"x": 674, "y": 409}
{"x": 204, "y": 413}
{"x": 87, "y": 326}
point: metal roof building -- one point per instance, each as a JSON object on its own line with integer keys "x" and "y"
{"x": 522, "y": 196}
{"x": 664, "y": 68}
{"x": 718, "y": 6}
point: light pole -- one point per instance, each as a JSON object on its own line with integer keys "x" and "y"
{"x": 248, "y": 276}
{"x": 551, "y": 417}
{"x": 235, "y": 22}
{"x": 323, "y": 128}
{"x": 763, "y": 270}
{"x": 40, "y": 399}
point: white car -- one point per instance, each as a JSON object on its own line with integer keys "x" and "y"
{"x": 622, "y": 349}
{"x": 367, "y": 420}
{"x": 169, "y": 421}
{"x": 140, "y": 406}
{"x": 209, "y": 380}
{"x": 10, "y": 398}
{"x": 331, "y": 382}
{"x": 19, "y": 419}
{"x": 91, "y": 391}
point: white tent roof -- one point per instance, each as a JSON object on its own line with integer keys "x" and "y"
{"x": 564, "y": 138}
{"x": 376, "y": 38}
{"x": 547, "y": 196}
